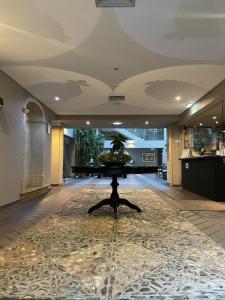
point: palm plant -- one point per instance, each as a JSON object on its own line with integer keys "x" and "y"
{"x": 117, "y": 155}
{"x": 118, "y": 142}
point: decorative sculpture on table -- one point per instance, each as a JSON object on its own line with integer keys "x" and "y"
{"x": 117, "y": 156}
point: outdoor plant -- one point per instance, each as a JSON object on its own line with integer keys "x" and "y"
{"x": 117, "y": 155}
{"x": 89, "y": 144}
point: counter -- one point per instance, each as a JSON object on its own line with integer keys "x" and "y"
{"x": 204, "y": 175}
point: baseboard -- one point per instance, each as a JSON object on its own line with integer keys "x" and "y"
{"x": 35, "y": 193}
{"x": 29, "y": 195}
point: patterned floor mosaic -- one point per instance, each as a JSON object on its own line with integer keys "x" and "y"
{"x": 156, "y": 254}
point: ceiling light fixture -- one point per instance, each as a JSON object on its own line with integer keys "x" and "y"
{"x": 189, "y": 105}
{"x": 56, "y": 98}
{"x": 214, "y": 118}
{"x": 146, "y": 122}
{"x": 115, "y": 3}
{"x": 178, "y": 98}
{"x": 217, "y": 122}
{"x": 201, "y": 124}
{"x": 88, "y": 122}
{"x": 117, "y": 123}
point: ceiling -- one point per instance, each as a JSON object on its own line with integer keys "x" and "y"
{"x": 69, "y": 48}
{"x": 107, "y": 121}
{"x": 213, "y": 116}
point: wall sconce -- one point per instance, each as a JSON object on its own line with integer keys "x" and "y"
{"x": 49, "y": 128}
{"x": 25, "y": 110}
{"x": 1, "y": 103}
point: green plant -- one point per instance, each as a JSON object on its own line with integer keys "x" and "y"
{"x": 118, "y": 142}
{"x": 203, "y": 138}
{"x": 117, "y": 155}
{"x": 89, "y": 144}
{"x": 112, "y": 158}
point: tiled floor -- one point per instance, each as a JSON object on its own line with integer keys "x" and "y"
{"x": 155, "y": 254}
{"x": 15, "y": 219}
{"x": 208, "y": 216}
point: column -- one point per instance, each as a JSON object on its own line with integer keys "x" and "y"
{"x": 57, "y": 155}
{"x": 175, "y": 148}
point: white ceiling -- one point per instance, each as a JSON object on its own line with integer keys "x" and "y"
{"x": 69, "y": 48}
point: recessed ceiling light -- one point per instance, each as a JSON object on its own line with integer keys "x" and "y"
{"x": 217, "y": 122}
{"x": 200, "y": 124}
{"x": 214, "y": 118}
{"x": 116, "y": 69}
{"x": 56, "y": 98}
{"x": 117, "y": 123}
{"x": 147, "y": 122}
{"x": 88, "y": 122}
{"x": 189, "y": 105}
{"x": 178, "y": 98}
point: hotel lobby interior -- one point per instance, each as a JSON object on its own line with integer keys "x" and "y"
{"x": 112, "y": 149}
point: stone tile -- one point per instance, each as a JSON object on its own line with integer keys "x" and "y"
{"x": 157, "y": 254}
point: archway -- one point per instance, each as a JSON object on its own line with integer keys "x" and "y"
{"x": 34, "y": 147}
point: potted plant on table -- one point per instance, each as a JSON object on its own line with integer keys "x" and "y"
{"x": 117, "y": 156}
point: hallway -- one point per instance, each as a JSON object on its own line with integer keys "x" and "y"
{"x": 128, "y": 88}
{"x": 207, "y": 215}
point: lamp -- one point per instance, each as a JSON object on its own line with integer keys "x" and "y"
{"x": 26, "y": 110}
{"x": 1, "y": 103}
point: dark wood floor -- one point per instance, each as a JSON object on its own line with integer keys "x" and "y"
{"x": 208, "y": 216}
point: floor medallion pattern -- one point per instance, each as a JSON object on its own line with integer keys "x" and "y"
{"x": 156, "y": 254}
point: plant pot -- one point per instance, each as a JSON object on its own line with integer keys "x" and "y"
{"x": 109, "y": 158}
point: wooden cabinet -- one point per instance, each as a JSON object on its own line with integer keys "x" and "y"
{"x": 205, "y": 176}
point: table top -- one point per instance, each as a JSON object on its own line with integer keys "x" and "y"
{"x": 115, "y": 169}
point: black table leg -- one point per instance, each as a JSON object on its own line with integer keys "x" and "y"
{"x": 98, "y": 205}
{"x": 129, "y": 204}
{"x": 114, "y": 201}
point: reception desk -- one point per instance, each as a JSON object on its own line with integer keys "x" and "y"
{"x": 205, "y": 175}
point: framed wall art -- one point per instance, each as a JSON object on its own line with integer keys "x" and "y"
{"x": 148, "y": 157}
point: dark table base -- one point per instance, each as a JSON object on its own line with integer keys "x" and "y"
{"x": 114, "y": 201}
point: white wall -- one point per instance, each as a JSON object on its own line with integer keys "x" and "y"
{"x": 12, "y": 140}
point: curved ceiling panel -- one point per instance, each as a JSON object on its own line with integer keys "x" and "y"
{"x": 152, "y": 54}
{"x": 75, "y": 91}
{"x": 40, "y": 31}
{"x": 177, "y": 28}
{"x": 171, "y": 89}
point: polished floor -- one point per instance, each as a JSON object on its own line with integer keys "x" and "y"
{"x": 208, "y": 216}
{"x": 156, "y": 254}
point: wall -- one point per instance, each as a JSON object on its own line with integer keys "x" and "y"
{"x": 12, "y": 140}
{"x": 175, "y": 148}
{"x": 136, "y": 155}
